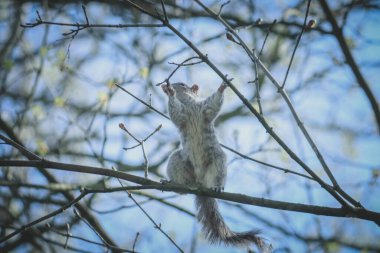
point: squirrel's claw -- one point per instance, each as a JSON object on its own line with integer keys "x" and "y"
{"x": 165, "y": 181}
{"x": 217, "y": 189}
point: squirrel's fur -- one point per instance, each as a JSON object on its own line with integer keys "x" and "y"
{"x": 201, "y": 161}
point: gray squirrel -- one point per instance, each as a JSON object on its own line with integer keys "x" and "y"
{"x": 201, "y": 160}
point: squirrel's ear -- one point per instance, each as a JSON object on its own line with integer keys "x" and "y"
{"x": 194, "y": 88}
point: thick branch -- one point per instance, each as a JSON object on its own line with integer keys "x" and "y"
{"x": 360, "y": 213}
{"x": 285, "y": 96}
{"x": 15, "y": 142}
{"x": 338, "y": 33}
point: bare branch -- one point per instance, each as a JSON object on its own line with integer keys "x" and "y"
{"x": 179, "y": 65}
{"x": 164, "y": 11}
{"x": 269, "y": 129}
{"x": 52, "y": 214}
{"x": 85, "y": 14}
{"x": 222, "y": 6}
{"x": 135, "y": 241}
{"x": 297, "y": 42}
{"x": 141, "y": 143}
{"x": 81, "y": 26}
{"x": 355, "y": 212}
{"x": 149, "y": 217}
{"x": 266, "y": 37}
{"x": 338, "y": 33}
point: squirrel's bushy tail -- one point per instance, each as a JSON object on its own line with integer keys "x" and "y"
{"x": 217, "y": 231}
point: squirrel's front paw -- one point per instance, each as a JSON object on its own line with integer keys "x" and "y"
{"x": 168, "y": 89}
{"x": 222, "y": 87}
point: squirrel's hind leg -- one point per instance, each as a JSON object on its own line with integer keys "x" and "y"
{"x": 180, "y": 170}
{"x": 216, "y": 172}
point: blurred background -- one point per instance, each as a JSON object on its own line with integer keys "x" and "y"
{"x": 58, "y": 98}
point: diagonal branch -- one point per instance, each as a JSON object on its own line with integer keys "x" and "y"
{"x": 156, "y": 225}
{"x": 297, "y": 43}
{"x": 262, "y": 120}
{"x": 333, "y": 191}
{"x": 338, "y": 33}
{"x": 31, "y": 156}
{"x": 52, "y": 214}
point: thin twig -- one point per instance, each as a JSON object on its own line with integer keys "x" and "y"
{"x": 164, "y": 11}
{"x": 85, "y": 14}
{"x": 158, "y": 226}
{"x": 141, "y": 143}
{"x": 52, "y": 214}
{"x": 141, "y": 101}
{"x": 77, "y": 214}
{"x": 81, "y": 26}
{"x": 149, "y": 199}
{"x": 179, "y": 65}
{"x": 79, "y": 250}
{"x": 145, "y": 159}
{"x": 45, "y": 217}
{"x": 266, "y": 37}
{"x": 68, "y": 234}
{"x": 51, "y": 179}
{"x": 84, "y": 239}
{"x": 155, "y": 131}
{"x": 145, "y": 139}
{"x": 222, "y": 6}
{"x": 257, "y": 85}
{"x": 267, "y": 164}
{"x": 297, "y": 43}
{"x": 85, "y": 25}
{"x": 256, "y": 81}
{"x": 121, "y": 126}
{"x": 135, "y": 241}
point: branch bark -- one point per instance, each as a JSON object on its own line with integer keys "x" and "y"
{"x": 360, "y": 213}
{"x": 338, "y": 33}
{"x": 15, "y": 142}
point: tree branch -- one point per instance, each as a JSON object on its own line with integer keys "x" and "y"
{"x": 31, "y": 156}
{"x": 338, "y": 33}
{"x": 360, "y": 213}
{"x": 81, "y": 26}
{"x": 265, "y": 124}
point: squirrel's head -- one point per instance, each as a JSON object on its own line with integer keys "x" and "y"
{"x": 184, "y": 91}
